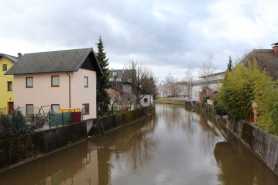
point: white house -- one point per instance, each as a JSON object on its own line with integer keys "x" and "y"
{"x": 146, "y": 100}
{"x": 212, "y": 82}
{"x": 56, "y": 80}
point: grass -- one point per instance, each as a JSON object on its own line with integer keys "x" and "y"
{"x": 173, "y": 101}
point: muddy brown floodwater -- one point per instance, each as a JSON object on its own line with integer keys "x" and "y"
{"x": 176, "y": 147}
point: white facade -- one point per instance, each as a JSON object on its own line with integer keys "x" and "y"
{"x": 73, "y": 91}
{"x": 195, "y": 92}
{"x": 214, "y": 77}
{"x": 212, "y": 81}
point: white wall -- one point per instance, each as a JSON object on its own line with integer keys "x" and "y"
{"x": 220, "y": 76}
{"x": 196, "y": 89}
{"x": 81, "y": 95}
{"x": 42, "y": 94}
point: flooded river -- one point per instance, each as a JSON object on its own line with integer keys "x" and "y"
{"x": 176, "y": 147}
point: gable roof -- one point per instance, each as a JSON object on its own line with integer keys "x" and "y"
{"x": 52, "y": 61}
{"x": 10, "y": 57}
{"x": 265, "y": 59}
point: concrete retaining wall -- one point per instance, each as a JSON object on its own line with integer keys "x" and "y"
{"x": 17, "y": 148}
{"x": 108, "y": 123}
{"x": 20, "y": 149}
{"x": 260, "y": 143}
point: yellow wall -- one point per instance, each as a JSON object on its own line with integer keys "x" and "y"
{"x": 5, "y": 95}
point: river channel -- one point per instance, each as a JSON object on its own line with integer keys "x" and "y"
{"x": 175, "y": 147}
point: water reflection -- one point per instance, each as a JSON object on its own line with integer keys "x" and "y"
{"x": 63, "y": 168}
{"x": 131, "y": 148}
{"x": 237, "y": 167}
{"x": 176, "y": 147}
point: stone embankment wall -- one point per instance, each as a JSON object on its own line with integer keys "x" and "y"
{"x": 260, "y": 143}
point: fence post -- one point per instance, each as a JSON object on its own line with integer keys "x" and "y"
{"x": 63, "y": 119}
{"x": 48, "y": 115}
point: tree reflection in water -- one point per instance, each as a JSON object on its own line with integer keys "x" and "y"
{"x": 175, "y": 147}
{"x": 132, "y": 143}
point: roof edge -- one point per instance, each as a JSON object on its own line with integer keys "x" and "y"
{"x": 85, "y": 57}
{"x": 10, "y": 57}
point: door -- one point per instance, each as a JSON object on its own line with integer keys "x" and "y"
{"x": 10, "y": 107}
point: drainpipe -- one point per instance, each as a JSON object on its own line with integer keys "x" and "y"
{"x": 69, "y": 74}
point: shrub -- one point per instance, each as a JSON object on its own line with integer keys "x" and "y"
{"x": 242, "y": 87}
{"x": 220, "y": 109}
{"x": 18, "y": 120}
{"x": 13, "y": 124}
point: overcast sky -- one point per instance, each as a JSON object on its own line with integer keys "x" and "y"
{"x": 169, "y": 36}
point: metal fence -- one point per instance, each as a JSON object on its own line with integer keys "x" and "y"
{"x": 43, "y": 118}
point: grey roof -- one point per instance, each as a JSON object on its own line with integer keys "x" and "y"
{"x": 213, "y": 74}
{"x": 10, "y": 57}
{"x": 52, "y": 61}
{"x": 264, "y": 59}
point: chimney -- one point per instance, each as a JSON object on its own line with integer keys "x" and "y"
{"x": 275, "y": 49}
{"x": 19, "y": 55}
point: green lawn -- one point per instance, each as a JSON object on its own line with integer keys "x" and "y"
{"x": 173, "y": 101}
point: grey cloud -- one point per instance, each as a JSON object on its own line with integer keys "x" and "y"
{"x": 159, "y": 32}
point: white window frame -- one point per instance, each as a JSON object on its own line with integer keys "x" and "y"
{"x": 86, "y": 81}
{"x": 29, "y": 82}
{"x": 29, "y": 113}
{"x": 53, "y": 82}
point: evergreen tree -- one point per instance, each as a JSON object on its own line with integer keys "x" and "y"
{"x": 230, "y": 64}
{"x": 103, "y": 99}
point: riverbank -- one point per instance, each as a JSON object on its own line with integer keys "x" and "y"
{"x": 263, "y": 145}
{"x": 182, "y": 145}
{"x": 18, "y": 150}
{"x": 172, "y": 101}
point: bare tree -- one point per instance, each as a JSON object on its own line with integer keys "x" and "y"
{"x": 189, "y": 79}
{"x": 171, "y": 85}
{"x": 207, "y": 68}
{"x": 142, "y": 80}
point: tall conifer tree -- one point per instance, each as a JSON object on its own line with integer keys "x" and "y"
{"x": 230, "y": 64}
{"x": 103, "y": 99}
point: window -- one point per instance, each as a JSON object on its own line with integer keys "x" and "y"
{"x": 55, "y": 81}
{"x": 114, "y": 74}
{"x": 29, "y": 109}
{"x": 85, "y": 108}
{"x": 145, "y": 100}
{"x": 5, "y": 67}
{"x": 29, "y": 82}
{"x": 86, "y": 81}
{"x": 55, "y": 108}
{"x": 10, "y": 86}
